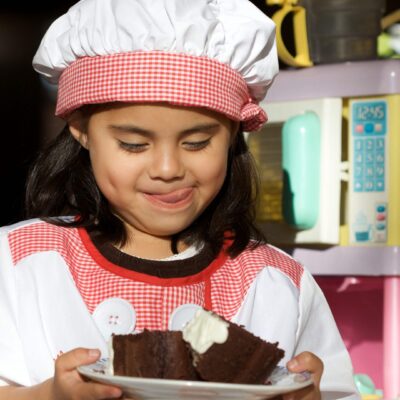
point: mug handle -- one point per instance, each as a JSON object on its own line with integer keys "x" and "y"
{"x": 302, "y": 58}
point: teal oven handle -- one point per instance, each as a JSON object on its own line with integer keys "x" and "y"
{"x": 301, "y": 143}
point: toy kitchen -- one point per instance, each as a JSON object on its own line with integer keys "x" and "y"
{"x": 330, "y": 195}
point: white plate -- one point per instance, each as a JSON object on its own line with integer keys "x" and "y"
{"x": 282, "y": 381}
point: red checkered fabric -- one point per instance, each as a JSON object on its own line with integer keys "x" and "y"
{"x": 155, "y": 299}
{"x": 157, "y": 76}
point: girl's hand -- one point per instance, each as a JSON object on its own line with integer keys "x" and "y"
{"x": 68, "y": 384}
{"x": 306, "y": 361}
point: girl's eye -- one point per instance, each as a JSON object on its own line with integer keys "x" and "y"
{"x": 133, "y": 147}
{"x": 197, "y": 145}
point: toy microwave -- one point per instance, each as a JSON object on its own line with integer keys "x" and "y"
{"x": 329, "y": 156}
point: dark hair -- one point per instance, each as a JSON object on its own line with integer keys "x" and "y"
{"x": 61, "y": 183}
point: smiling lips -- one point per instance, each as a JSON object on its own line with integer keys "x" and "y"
{"x": 173, "y": 199}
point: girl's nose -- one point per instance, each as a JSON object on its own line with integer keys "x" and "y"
{"x": 166, "y": 165}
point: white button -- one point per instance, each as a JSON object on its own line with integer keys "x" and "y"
{"x": 182, "y": 315}
{"x": 114, "y": 315}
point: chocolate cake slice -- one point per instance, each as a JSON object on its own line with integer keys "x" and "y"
{"x": 210, "y": 348}
{"x": 225, "y": 352}
{"x": 152, "y": 354}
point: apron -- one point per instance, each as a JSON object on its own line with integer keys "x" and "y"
{"x": 44, "y": 301}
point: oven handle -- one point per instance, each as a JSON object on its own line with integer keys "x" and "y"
{"x": 301, "y": 155}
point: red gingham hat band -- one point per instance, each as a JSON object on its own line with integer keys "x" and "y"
{"x": 156, "y": 76}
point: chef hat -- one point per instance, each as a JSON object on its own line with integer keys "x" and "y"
{"x": 218, "y": 54}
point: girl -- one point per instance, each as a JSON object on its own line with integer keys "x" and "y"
{"x": 146, "y": 200}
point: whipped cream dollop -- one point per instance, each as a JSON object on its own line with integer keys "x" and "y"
{"x": 205, "y": 329}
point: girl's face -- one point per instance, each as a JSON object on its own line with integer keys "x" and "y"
{"x": 158, "y": 165}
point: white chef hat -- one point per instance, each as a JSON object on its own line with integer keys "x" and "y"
{"x": 218, "y": 54}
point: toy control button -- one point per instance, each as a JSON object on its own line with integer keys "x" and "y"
{"x": 182, "y": 315}
{"x": 115, "y": 315}
{"x": 359, "y": 128}
{"x": 369, "y": 128}
{"x": 380, "y": 227}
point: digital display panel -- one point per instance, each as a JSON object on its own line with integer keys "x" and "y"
{"x": 370, "y": 111}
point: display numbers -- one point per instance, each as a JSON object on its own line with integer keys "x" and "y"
{"x": 370, "y": 111}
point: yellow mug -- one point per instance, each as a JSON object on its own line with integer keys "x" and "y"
{"x": 328, "y": 31}
{"x": 302, "y": 56}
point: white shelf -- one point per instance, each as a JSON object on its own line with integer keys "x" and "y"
{"x": 350, "y": 260}
{"x": 348, "y": 79}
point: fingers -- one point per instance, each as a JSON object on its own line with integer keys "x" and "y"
{"x": 75, "y": 358}
{"x": 68, "y": 383}
{"x": 307, "y": 361}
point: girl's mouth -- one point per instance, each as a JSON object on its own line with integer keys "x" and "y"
{"x": 175, "y": 199}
